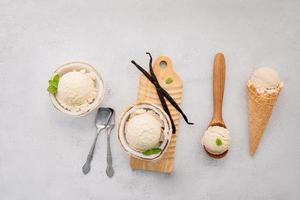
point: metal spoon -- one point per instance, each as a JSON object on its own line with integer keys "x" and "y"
{"x": 218, "y": 91}
{"x": 102, "y": 119}
{"x": 110, "y": 126}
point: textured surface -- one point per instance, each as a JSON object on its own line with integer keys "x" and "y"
{"x": 42, "y": 150}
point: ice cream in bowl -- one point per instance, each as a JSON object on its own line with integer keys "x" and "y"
{"x": 145, "y": 131}
{"x": 76, "y": 89}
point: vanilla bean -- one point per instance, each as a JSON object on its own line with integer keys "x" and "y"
{"x": 165, "y": 93}
{"x": 148, "y": 76}
{"x": 160, "y": 95}
{"x": 173, "y": 102}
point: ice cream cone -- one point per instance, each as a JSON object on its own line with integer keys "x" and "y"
{"x": 260, "y": 108}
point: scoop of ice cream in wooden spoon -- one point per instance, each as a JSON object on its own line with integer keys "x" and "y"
{"x": 216, "y": 139}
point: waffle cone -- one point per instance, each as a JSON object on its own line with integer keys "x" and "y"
{"x": 260, "y": 107}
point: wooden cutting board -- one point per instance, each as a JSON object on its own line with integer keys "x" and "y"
{"x": 172, "y": 83}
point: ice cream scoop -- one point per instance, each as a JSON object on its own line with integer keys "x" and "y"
{"x": 76, "y": 90}
{"x": 216, "y": 140}
{"x": 143, "y": 131}
{"x": 265, "y": 79}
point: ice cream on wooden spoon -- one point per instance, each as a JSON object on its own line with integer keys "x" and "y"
{"x": 216, "y": 139}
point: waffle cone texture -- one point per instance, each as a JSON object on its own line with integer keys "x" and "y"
{"x": 260, "y": 107}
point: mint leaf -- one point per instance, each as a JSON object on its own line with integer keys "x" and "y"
{"x": 55, "y": 80}
{"x": 150, "y": 152}
{"x": 51, "y": 89}
{"x": 156, "y": 150}
{"x": 53, "y": 84}
{"x": 219, "y": 142}
{"x": 169, "y": 80}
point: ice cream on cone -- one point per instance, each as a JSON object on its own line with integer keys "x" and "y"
{"x": 263, "y": 90}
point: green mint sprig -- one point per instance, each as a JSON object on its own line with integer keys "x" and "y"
{"x": 169, "y": 80}
{"x": 150, "y": 152}
{"x": 53, "y": 84}
{"x": 219, "y": 142}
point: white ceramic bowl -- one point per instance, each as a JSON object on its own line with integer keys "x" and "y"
{"x": 167, "y": 132}
{"x": 68, "y": 67}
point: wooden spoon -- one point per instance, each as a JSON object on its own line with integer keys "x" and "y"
{"x": 218, "y": 91}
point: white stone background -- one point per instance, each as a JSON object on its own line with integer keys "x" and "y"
{"x": 42, "y": 150}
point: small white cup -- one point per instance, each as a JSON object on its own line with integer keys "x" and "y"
{"x": 77, "y": 66}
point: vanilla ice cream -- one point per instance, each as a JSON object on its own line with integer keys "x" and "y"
{"x": 265, "y": 80}
{"x": 76, "y": 90}
{"x": 216, "y": 140}
{"x": 143, "y": 130}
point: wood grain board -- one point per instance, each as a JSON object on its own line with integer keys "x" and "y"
{"x": 147, "y": 93}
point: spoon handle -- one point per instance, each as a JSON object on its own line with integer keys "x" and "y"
{"x": 218, "y": 88}
{"x": 109, "y": 169}
{"x": 87, "y": 165}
